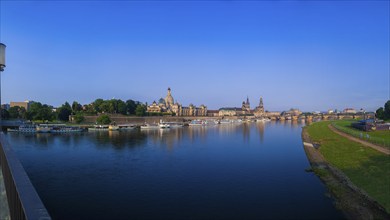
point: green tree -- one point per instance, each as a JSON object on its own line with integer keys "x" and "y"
{"x": 97, "y": 103}
{"x": 105, "y": 107}
{"x": 387, "y": 110}
{"x": 89, "y": 109}
{"x": 64, "y": 111}
{"x": 103, "y": 120}
{"x": 4, "y": 114}
{"x": 380, "y": 113}
{"x": 121, "y": 107}
{"x": 140, "y": 110}
{"x": 79, "y": 117}
{"x": 76, "y": 107}
{"x": 37, "y": 111}
{"x": 131, "y": 105}
{"x": 16, "y": 112}
{"x": 45, "y": 113}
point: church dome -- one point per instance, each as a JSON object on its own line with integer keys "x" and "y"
{"x": 161, "y": 101}
{"x": 169, "y": 99}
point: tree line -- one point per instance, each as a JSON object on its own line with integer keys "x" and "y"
{"x": 384, "y": 112}
{"x": 43, "y": 112}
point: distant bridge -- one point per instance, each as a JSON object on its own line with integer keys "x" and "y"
{"x": 323, "y": 117}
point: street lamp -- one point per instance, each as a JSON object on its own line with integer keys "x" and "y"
{"x": 2, "y": 65}
{"x": 2, "y": 57}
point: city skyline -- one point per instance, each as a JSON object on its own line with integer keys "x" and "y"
{"x": 306, "y": 55}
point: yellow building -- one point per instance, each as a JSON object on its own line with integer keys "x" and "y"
{"x": 25, "y": 104}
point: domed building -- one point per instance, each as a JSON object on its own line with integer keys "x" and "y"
{"x": 168, "y": 105}
{"x": 169, "y": 99}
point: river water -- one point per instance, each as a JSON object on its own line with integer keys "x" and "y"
{"x": 236, "y": 171}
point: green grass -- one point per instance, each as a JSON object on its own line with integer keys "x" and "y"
{"x": 381, "y": 138}
{"x": 367, "y": 168}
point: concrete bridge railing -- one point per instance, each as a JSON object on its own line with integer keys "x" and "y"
{"x": 23, "y": 201}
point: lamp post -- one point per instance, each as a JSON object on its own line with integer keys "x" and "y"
{"x": 2, "y": 65}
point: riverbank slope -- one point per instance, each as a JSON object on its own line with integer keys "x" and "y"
{"x": 357, "y": 176}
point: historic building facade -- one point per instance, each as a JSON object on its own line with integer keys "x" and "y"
{"x": 245, "y": 110}
{"x": 246, "y": 106}
{"x": 259, "y": 110}
{"x": 168, "y": 105}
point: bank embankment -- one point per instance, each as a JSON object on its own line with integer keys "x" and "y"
{"x": 358, "y": 177}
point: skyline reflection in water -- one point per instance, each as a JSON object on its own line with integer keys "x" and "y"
{"x": 229, "y": 171}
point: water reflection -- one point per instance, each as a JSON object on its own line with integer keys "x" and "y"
{"x": 260, "y": 128}
{"x": 118, "y": 139}
{"x": 169, "y": 138}
{"x": 205, "y": 172}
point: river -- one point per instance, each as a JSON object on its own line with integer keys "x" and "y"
{"x": 235, "y": 171}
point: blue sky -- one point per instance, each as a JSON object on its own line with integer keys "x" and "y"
{"x": 311, "y": 55}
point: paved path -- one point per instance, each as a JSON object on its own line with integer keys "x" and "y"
{"x": 365, "y": 143}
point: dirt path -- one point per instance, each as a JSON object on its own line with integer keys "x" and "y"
{"x": 365, "y": 143}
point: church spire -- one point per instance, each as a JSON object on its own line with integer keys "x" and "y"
{"x": 261, "y": 102}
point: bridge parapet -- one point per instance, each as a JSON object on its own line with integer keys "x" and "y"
{"x": 24, "y": 202}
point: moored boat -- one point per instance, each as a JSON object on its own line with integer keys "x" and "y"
{"x": 225, "y": 121}
{"x": 66, "y": 129}
{"x": 149, "y": 126}
{"x": 99, "y": 128}
{"x": 126, "y": 127}
{"x": 196, "y": 122}
{"x": 44, "y": 128}
{"x": 164, "y": 125}
{"x": 175, "y": 125}
{"x": 25, "y": 128}
{"x": 113, "y": 127}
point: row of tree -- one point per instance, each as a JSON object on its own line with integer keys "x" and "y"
{"x": 39, "y": 111}
{"x": 384, "y": 112}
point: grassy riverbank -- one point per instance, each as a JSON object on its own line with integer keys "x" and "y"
{"x": 381, "y": 138}
{"x": 367, "y": 168}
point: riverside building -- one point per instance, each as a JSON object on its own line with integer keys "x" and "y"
{"x": 169, "y": 106}
{"x": 244, "y": 110}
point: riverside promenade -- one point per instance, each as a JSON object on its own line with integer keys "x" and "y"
{"x": 363, "y": 142}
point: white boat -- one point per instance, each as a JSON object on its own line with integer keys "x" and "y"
{"x": 99, "y": 128}
{"x": 263, "y": 120}
{"x": 65, "y": 129}
{"x": 196, "y": 122}
{"x": 149, "y": 126}
{"x": 126, "y": 127}
{"x": 210, "y": 122}
{"x": 113, "y": 127}
{"x": 176, "y": 125}
{"x": 164, "y": 125}
{"x": 26, "y": 128}
{"x": 225, "y": 121}
{"x": 44, "y": 128}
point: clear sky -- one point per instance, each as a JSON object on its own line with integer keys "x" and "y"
{"x": 311, "y": 55}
